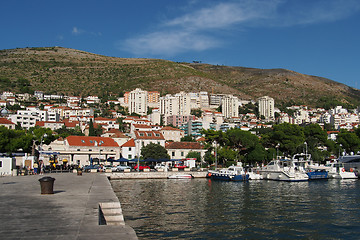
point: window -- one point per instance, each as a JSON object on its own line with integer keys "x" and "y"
{"x": 83, "y": 141}
{"x": 129, "y": 156}
{"x": 173, "y": 154}
{"x": 78, "y": 150}
{"x": 156, "y": 134}
{"x": 90, "y": 150}
{"x": 182, "y": 154}
{"x": 129, "y": 148}
{"x": 149, "y": 134}
{"x": 141, "y": 134}
{"x": 0, "y": 163}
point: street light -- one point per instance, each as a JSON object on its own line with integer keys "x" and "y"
{"x": 215, "y": 155}
{"x": 305, "y": 150}
{"x": 138, "y": 160}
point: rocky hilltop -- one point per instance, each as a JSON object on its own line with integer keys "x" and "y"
{"x": 73, "y": 72}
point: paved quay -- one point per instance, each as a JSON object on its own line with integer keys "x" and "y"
{"x": 72, "y": 212}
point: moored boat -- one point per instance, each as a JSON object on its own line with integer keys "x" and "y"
{"x": 283, "y": 170}
{"x": 303, "y": 162}
{"x": 232, "y": 173}
{"x": 181, "y": 176}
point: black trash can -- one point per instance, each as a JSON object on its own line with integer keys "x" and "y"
{"x": 47, "y": 185}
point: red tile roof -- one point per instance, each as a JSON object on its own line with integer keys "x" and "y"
{"x": 91, "y": 141}
{"x": 170, "y": 129}
{"x": 184, "y": 145}
{"x": 130, "y": 143}
{"x": 5, "y": 121}
{"x": 153, "y": 135}
{"x": 141, "y": 126}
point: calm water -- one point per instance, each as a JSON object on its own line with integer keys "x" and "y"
{"x": 205, "y": 209}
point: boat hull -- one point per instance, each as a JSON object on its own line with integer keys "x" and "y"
{"x": 229, "y": 177}
{"x": 282, "y": 176}
{"x": 314, "y": 175}
{"x": 184, "y": 176}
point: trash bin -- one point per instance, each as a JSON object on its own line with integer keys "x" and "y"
{"x": 47, "y": 185}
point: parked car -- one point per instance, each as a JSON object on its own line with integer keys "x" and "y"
{"x": 160, "y": 166}
{"x": 121, "y": 168}
{"x": 89, "y": 167}
{"x": 141, "y": 167}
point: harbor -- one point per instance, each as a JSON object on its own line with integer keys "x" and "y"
{"x": 73, "y": 211}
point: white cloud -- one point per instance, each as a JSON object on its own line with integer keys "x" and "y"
{"x": 77, "y": 31}
{"x": 169, "y": 43}
{"x": 198, "y": 29}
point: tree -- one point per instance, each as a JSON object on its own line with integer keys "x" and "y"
{"x": 193, "y": 154}
{"x": 350, "y": 141}
{"x": 154, "y": 151}
{"x": 187, "y": 138}
{"x": 91, "y": 128}
{"x": 225, "y": 155}
{"x": 196, "y": 112}
{"x": 289, "y": 136}
{"x": 258, "y": 154}
{"x": 242, "y": 141}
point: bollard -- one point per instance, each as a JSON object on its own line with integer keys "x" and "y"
{"x": 47, "y": 185}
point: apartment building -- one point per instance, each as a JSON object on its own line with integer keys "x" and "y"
{"x": 138, "y": 102}
{"x": 230, "y": 106}
{"x": 266, "y": 107}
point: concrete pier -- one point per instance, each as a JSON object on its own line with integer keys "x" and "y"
{"x": 72, "y": 212}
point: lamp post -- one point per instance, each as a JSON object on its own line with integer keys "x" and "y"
{"x": 340, "y": 150}
{"x": 138, "y": 160}
{"x": 215, "y": 143}
{"x": 305, "y": 150}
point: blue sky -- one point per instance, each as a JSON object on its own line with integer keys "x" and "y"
{"x": 316, "y": 37}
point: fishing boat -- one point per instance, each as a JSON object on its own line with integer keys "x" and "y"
{"x": 337, "y": 170}
{"x": 303, "y": 162}
{"x": 181, "y": 176}
{"x": 232, "y": 173}
{"x": 283, "y": 170}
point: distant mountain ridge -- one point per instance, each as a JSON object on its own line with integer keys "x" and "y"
{"x": 73, "y": 72}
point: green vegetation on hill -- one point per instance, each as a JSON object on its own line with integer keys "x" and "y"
{"x": 59, "y": 70}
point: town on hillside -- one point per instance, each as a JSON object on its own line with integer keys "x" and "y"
{"x": 92, "y": 130}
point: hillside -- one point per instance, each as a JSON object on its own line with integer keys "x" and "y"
{"x": 74, "y": 72}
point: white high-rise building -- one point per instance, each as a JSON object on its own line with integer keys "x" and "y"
{"x": 138, "y": 102}
{"x": 266, "y": 107}
{"x": 230, "y": 106}
{"x": 179, "y": 104}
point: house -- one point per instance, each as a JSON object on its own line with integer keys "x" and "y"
{"x": 7, "y": 123}
{"x": 172, "y": 134}
{"x": 143, "y": 138}
{"x": 128, "y": 149}
{"x": 179, "y": 150}
{"x": 117, "y": 135}
{"x": 84, "y": 150}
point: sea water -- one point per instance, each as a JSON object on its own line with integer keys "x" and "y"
{"x": 208, "y": 209}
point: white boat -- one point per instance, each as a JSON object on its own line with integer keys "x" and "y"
{"x": 180, "y": 176}
{"x": 254, "y": 174}
{"x": 283, "y": 170}
{"x": 337, "y": 170}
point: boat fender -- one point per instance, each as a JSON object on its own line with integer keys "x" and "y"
{"x": 351, "y": 170}
{"x": 343, "y": 169}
